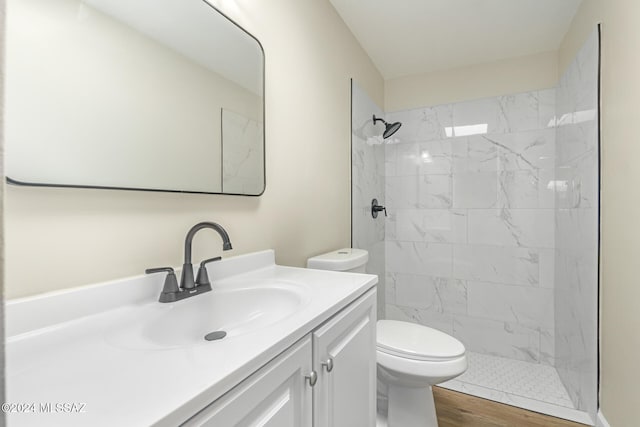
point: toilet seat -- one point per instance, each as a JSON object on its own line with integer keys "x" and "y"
{"x": 416, "y": 342}
{"x": 418, "y": 373}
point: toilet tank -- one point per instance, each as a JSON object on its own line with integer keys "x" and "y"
{"x": 347, "y": 259}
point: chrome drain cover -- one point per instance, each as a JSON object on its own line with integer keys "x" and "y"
{"x": 214, "y": 336}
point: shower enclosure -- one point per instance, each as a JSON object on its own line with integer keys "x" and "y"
{"x": 492, "y": 233}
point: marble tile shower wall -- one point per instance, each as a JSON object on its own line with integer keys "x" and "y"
{"x": 470, "y": 233}
{"x": 242, "y": 169}
{"x": 367, "y": 165}
{"x": 576, "y": 228}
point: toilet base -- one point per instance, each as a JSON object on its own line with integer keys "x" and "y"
{"x": 411, "y": 407}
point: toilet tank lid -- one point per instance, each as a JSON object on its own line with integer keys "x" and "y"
{"x": 340, "y": 260}
{"x": 416, "y": 341}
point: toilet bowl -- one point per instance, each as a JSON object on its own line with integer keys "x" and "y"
{"x": 411, "y": 358}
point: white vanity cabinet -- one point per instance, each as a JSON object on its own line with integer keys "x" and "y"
{"x": 344, "y": 357}
{"x": 340, "y": 354}
{"x": 278, "y": 395}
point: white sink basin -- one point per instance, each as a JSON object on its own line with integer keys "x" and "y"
{"x": 185, "y": 323}
{"x": 110, "y": 343}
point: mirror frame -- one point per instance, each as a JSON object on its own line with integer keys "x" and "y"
{"x": 11, "y": 181}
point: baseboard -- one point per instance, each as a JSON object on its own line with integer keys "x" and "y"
{"x": 601, "y": 421}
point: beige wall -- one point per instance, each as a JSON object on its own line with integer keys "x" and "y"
{"x": 58, "y": 238}
{"x": 477, "y": 81}
{"x": 591, "y": 13}
{"x": 620, "y": 231}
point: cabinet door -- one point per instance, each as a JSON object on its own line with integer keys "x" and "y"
{"x": 278, "y": 395}
{"x": 345, "y": 394}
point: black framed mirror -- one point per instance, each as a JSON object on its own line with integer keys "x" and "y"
{"x": 160, "y": 95}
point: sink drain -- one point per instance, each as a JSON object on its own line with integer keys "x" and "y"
{"x": 214, "y": 336}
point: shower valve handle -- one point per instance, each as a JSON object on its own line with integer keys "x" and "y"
{"x": 375, "y": 208}
{"x": 381, "y": 209}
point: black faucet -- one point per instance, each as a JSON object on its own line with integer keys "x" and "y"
{"x": 186, "y": 281}
{"x": 188, "y": 287}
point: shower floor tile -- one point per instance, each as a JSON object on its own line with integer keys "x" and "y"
{"x": 526, "y": 385}
{"x": 531, "y": 380}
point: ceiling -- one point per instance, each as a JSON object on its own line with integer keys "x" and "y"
{"x": 405, "y": 37}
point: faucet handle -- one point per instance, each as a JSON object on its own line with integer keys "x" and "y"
{"x": 159, "y": 270}
{"x": 170, "y": 287}
{"x": 203, "y": 277}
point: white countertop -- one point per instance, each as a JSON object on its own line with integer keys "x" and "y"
{"x": 59, "y": 351}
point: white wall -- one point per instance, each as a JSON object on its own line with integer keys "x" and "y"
{"x": 505, "y": 77}
{"x": 469, "y": 237}
{"x": 620, "y": 230}
{"x": 58, "y": 238}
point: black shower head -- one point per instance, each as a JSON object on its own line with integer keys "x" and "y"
{"x": 390, "y": 128}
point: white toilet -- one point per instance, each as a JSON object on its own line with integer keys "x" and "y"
{"x": 411, "y": 358}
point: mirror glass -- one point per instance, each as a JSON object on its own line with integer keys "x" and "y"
{"x": 162, "y": 95}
